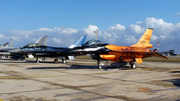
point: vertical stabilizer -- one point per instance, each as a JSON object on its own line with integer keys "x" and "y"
{"x": 145, "y": 39}
{"x": 41, "y": 40}
{"x": 6, "y": 44}
{"x": 79, "y": 41}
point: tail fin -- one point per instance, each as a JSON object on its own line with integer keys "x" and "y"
{"x": 40, "y": 41}
{"x": 145, "y": 39}
{"x": 79, "y": 41}
{"x": 6, "y": 44}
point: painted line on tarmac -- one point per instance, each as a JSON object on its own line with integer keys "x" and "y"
{"x": 156, "y": 69}
{"x": 25, "y": 77}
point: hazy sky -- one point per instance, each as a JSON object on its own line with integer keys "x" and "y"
{"x": 120, "y": 22}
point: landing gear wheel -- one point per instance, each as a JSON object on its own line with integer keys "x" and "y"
{"x": 43, "y": 58}
{"x": 64, "y": 61}
{"x": 117, "y": 66}
{"x": 23, "y": 59}
{"x": 99, "y": 67}
{"x": 133, "y": 66}
{"x": 55, "y": 60}
{"x": 37, "y": 61}
{"x": 99, "y": 62}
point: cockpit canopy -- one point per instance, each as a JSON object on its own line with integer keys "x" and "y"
{"x": 31, "y": 45}
{"x": 92, "y": 42}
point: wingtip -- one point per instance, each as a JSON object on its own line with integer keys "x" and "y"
{"x": 150, "y": 28}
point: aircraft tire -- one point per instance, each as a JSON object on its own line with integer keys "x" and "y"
{"x": 133, "y": 66}
{"x": 23, "y": 59}
{"x": 99, "y": 64}
{"x": 37, "y": 61}
{"x": 99, "y": 67}
{"x": 117, "y": 66}
{"x": 64, "y": 61}
{"x": 55, "y": 60}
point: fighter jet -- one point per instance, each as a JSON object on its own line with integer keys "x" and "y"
{"x": 14, "y": 52}
{"x": 118, "y": 54}
{"x": 4, "y": 45}
{"x": 168, "y": 53}
{"x": 52, "y": 52}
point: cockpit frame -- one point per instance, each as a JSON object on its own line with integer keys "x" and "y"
{"x": 92, "y": 42}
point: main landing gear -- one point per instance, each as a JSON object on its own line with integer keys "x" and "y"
{"x": 1, "y": 57}
{"x": 55, "y": 60}
{"x": 38, "y": 59}
{"x": 23, "y": 59}
{"x": 133, "y": 65}
{"x": 63, "y": 61}
{"x": 100, "y": 63}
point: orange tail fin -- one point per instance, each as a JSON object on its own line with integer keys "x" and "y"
{"x": 145, "y": 39}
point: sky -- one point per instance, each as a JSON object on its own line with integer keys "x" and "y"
{"x": 119, "y": 22}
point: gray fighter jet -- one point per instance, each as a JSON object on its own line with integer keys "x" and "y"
{"x": 52, "y": 52}
{"x": 15, "y": 52}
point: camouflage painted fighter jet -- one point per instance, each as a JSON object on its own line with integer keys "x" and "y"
{"x": 118, "y": 54}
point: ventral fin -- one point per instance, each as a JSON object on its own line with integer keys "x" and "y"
{"x": 139, "y": 60}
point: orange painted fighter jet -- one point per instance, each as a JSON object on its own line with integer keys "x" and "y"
{"x": 119, "y": 54}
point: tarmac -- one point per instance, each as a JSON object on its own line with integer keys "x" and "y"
{"x": 81, "y": 80}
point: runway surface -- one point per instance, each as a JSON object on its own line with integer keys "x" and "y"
{"x": 80, "y": 80}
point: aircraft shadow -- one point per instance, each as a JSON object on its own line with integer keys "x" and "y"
{"x": 48, "y": 68}
{"x": 175, "y": 72}
{"x": 15, "y": 61}
{"x": 71, "y": 67}
{"x": 176, "y": 82}
{"x": 19, "y": 61}
{"x": 82, "y": 67}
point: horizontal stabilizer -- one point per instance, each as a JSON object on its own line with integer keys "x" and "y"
{"x": 154, "y": 50}
{"x": 139, "y": 60}
{"x": 159, "y": 55}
